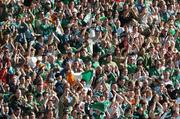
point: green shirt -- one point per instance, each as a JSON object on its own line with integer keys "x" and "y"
{"x": 95, "y": 64}
{"x": 122, "y": 89}
{"x": 59, "y": 62}
{"x": 131, "y": 68}
{"x": 45, "y": 29}
{"x": 66, "y": 1}
{"x": 177, "y": 24}
{"x": 111, "y": 78}
{"x": 44, "y": 75}
{"x": 155, "y": 72}
{"x": 175, "y": 80}
{"x": 65, "y": 22}
{"x": 170, "y": 70}
{"x": 113, "y": 64}
{"x": 85, "y": 58}
{"x": 109, "y": 50}
{"x": 6, "y": 96}
{"x": 101, "y": 116}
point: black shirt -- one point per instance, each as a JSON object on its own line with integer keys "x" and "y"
{"x": 125, "y": 20}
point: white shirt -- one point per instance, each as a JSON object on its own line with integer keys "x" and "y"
{"x": 32, "y": 61}
{"x": 120, "y": 30}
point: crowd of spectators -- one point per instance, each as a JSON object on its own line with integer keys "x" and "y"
{"x": 89, "y": 59}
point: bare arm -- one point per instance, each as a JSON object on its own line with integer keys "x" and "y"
{"x": 56, "y": 38}
{"x": 151, "y": 112}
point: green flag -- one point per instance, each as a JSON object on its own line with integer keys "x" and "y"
{"x": 131, "y": 68}
{"x": 111, "y": 79}
{"x": 66, "y": 1}
{"x": 87, "y": 18}
{"x": 103, "y": 18}
{"x": 100, "y": 106}
{"x": 95, "y": 64}
{"x": 87, "y": 76}
{"x": 172, "y": 32}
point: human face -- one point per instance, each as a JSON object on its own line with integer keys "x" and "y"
{"x": 158, "y": 64}
{"x": 40, "y": 87}
{"x": 50, "y": 114}
{"x": 117, "y": 51}
{"x": 121, "y": 82}
{"x": 125, "y": 72}
{"x": 130, "y": 59}
{"x": 109, "y": 58}
{"x": 165, "y": 105}
{"x": 71, "y": 5}
{"x": 6, "y": 109}
{"x": 68, "y": 65}
{"x": 32, "y": 116}
{"x": 166, "y": 75}
{"x": 51, "y": 86}
{"x": 145, "y": 83}
{"x": 100, "y": 88}
{"x": 114, "y": 87}
{"x": 18, "y": 112}
{"x": 6, "y": 87}
{"x": 131, "y": 94}
{"x": 78, "y": 54}
{"x": 18, "y": 93}
{"x": 26, "y": 117}
{"x": 76, "y": 64}
{"x": 22, "y": 81}
{"x": 125, "y": 7}
{"x": 30, "y": 98}
{"x": 135, "y": 29}
{"x": 60, "y": 4}
{"x": 98, "y": 70}
{"x": 66, "y": 116}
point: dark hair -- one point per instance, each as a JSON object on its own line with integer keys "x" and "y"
{"x": 29, "y": 94}
{"x": 127, "y": 110}
{"x": 85, "y": 116}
